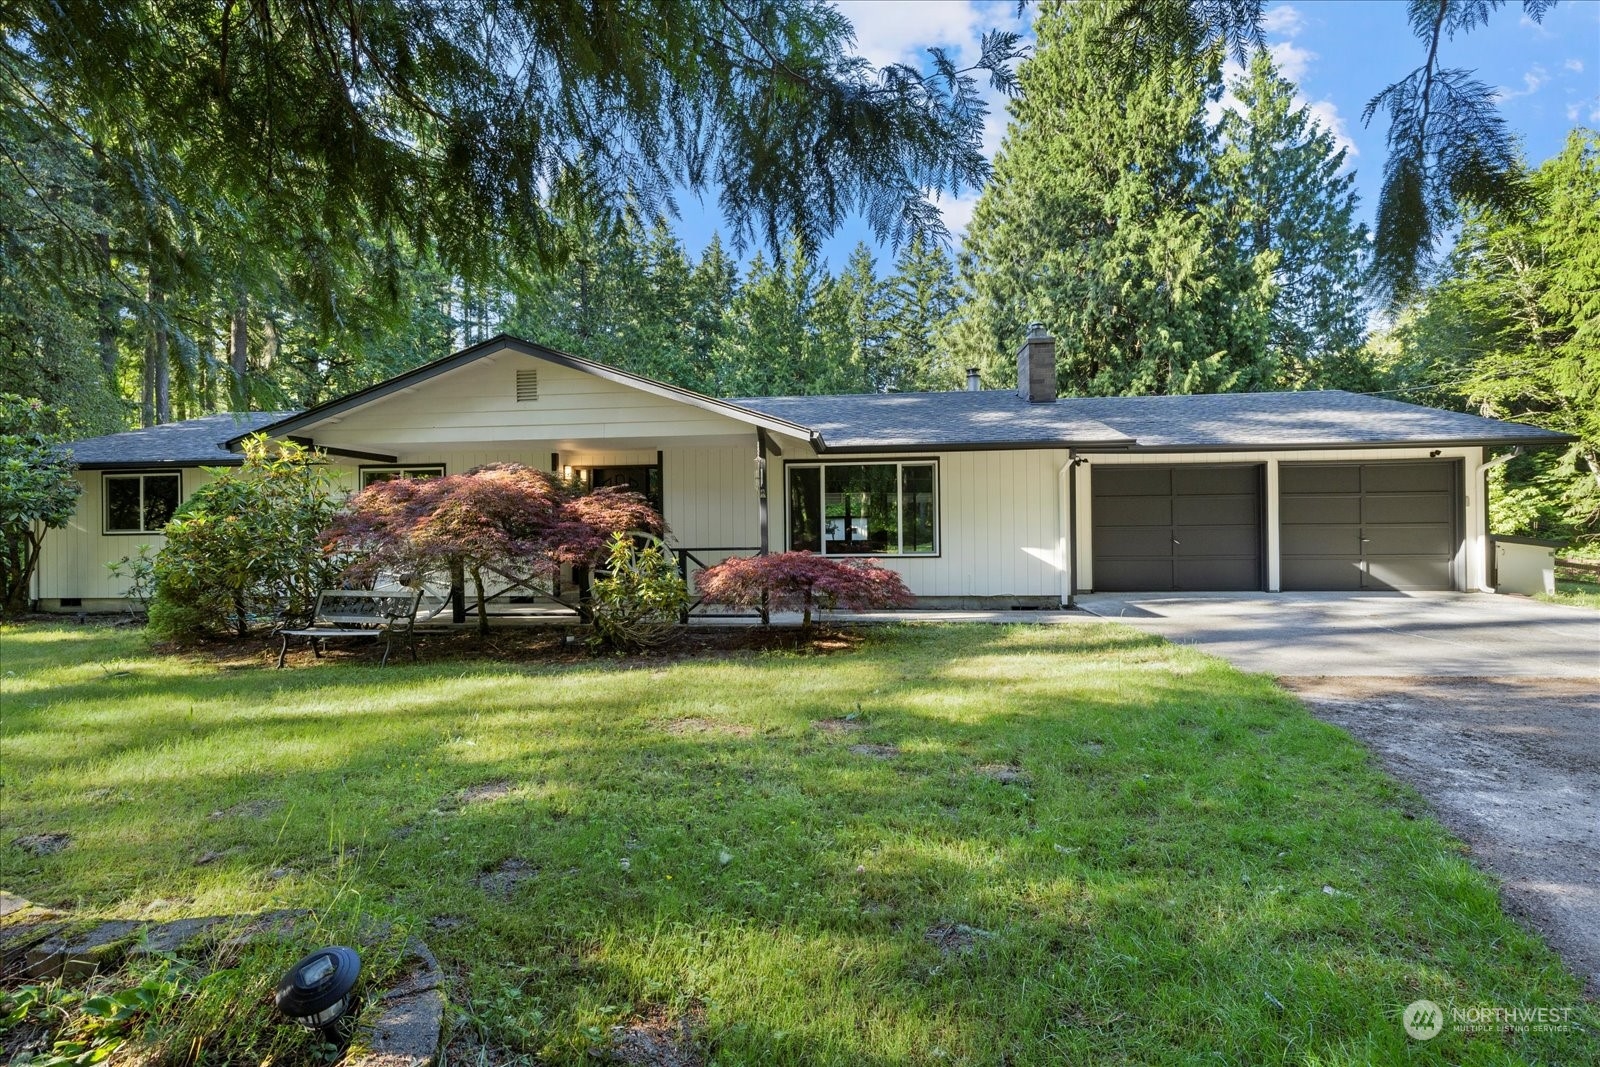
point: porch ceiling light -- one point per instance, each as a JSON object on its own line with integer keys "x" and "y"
{"x": 319, "y": 991}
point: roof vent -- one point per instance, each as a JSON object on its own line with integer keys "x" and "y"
{"x": 527, "y": 385}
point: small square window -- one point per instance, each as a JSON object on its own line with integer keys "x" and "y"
{"x": 141, "y": 503}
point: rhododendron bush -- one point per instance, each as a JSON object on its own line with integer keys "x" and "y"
{"x": 499, "y": 517}
{"x": 802, "y": 581}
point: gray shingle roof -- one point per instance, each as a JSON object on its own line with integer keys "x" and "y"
{"x": 1223, "y": 421}
{"x": 192, "y": 442}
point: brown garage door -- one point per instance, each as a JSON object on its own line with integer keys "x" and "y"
{"x": 1177, "y": 528}
{"x": 1369, "y": 525}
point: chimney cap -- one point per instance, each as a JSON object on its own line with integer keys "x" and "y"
{"x": 1036, "y": 329}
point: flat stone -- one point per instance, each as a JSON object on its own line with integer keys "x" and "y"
{"x": 406, "y": 1033}
{"x": 80, "y": 956}
{"x": 10, "y": 904}
{"x": 171, "y": 936}
{"x": 279, "y": 924}
{"x": 18, "y": 939}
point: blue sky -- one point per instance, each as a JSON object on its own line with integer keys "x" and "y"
{"x": 1340, "y": 52}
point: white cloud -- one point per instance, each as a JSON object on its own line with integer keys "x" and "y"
{"x": 1573, "y": 111}
{"x": 1575, "y": 65}
{"x": 957, "y": 213}
{"x": 1532, "y": 82}
{"x": 1292, "y": 60}
{"x": 890, "y": 32}
{"x": 1283, "y": 21}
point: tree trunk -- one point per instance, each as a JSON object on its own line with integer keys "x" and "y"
{"x": 805, "y": 611}
{"x": 483, "y": 603}
{"x": 238, "y": 358}
{"x": 106, "y": 306}
{"x": 21, "y": 559}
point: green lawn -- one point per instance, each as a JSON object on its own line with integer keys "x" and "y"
{"x": 1581, "y": 594}
{"x": 1190, "y": 868}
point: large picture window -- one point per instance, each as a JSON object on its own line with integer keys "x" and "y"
{"x": 864, "y": 509}
{"x": 141, "y": 503}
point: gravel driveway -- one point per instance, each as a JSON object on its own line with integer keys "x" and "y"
{"x": 1489, "y": 706}
{"x": 1512, "y": 767}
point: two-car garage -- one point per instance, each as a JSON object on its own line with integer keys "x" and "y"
{"x": 1339, "y": 526}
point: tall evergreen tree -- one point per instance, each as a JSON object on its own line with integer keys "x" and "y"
{"x": 1100, "y": 221}
{"x": 922, "y": 295}
{"x": 1292, "y": 210}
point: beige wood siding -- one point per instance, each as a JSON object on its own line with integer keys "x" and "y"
{"x": 478, "y": 403}
{"x": 1000, "y": 524}
{"x": 73, "y": 559}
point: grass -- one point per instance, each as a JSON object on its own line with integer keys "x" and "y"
{"x": 1578, "y": 594}
{"x": 1190, "y": 869}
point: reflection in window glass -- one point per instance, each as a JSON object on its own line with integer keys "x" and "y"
{"x": 863, "y": 509}
{"x": 805, "y": 509}
{"x": 122, "y": 504}
{"x": 141, "y": 503}
{"x": 161, "y": 494}
{"x": 373, "y": 475}
{"x": 917, "y": 507}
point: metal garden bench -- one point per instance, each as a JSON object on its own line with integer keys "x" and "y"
{"x": 359, "y": 613}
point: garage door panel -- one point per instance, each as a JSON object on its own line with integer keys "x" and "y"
{"x": 1215, "y": 481}
{"x": 1132, "y": 481}
{"x": 1319, "y": 478}
{"x": 1300, "y": 510}
{"x": 1123, "y": 542}
{"x": 1219, "y": 575}
{"x": 1133, "y": 511}
{"x": 1238, "y": 509}
{"x": 1132, "y": 575}
{"x": 1166, "y": 528}
{"x": 1408, "y": 541}
{"x": 1394, "y": 508}
{"x": 1408, "y": 573}
{"x": 1335, "y": 574}
{"x": 1218, "y": 541}
{"x": 1322, "y": 541}
{"x": 1408, "y": 477}
{"x": 1381, "y": 525}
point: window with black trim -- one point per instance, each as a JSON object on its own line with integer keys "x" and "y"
{"x": 864, "y": 509}
{"x": 373, "y": 475}
{"x": 142, "y": 503}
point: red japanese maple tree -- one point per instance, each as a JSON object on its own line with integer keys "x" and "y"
{"x": 802, "y": 581}
{"x": 501, "y": 516}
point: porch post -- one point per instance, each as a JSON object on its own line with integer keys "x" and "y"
{"x": 761, "y": 489}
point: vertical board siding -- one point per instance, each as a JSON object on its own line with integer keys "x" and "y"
{"x": 999, "y": 523}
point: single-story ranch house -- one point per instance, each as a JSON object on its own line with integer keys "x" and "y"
{"x": 985, "y": 497}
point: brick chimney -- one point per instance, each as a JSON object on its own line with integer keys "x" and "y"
{"x": 1036, "y": 366}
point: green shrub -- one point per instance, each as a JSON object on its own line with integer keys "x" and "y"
{"x": 637, "y": 601}
{"x": 245, "y": 547}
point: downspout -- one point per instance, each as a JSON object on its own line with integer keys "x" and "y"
{"x": 1480, "y": 481}
{"x": 1067, "y": 474}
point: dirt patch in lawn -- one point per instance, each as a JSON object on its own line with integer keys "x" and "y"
{"x": 553, "y": 644}
{"x": 954, "y": 938}
{"x": 43, "y": 844}
{"x": 248, "y": 809}
{"x": 1512, "y": 766}
{"x": 503, "y": 880}
{"x": 692, "y": 726}
{"x": 1004, "y": 773}
{"x": 655, "y": 1039}
{"x": 843, "y": 725}
{"x": 876, "y": 751}
{"x": 483, "y": 793}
